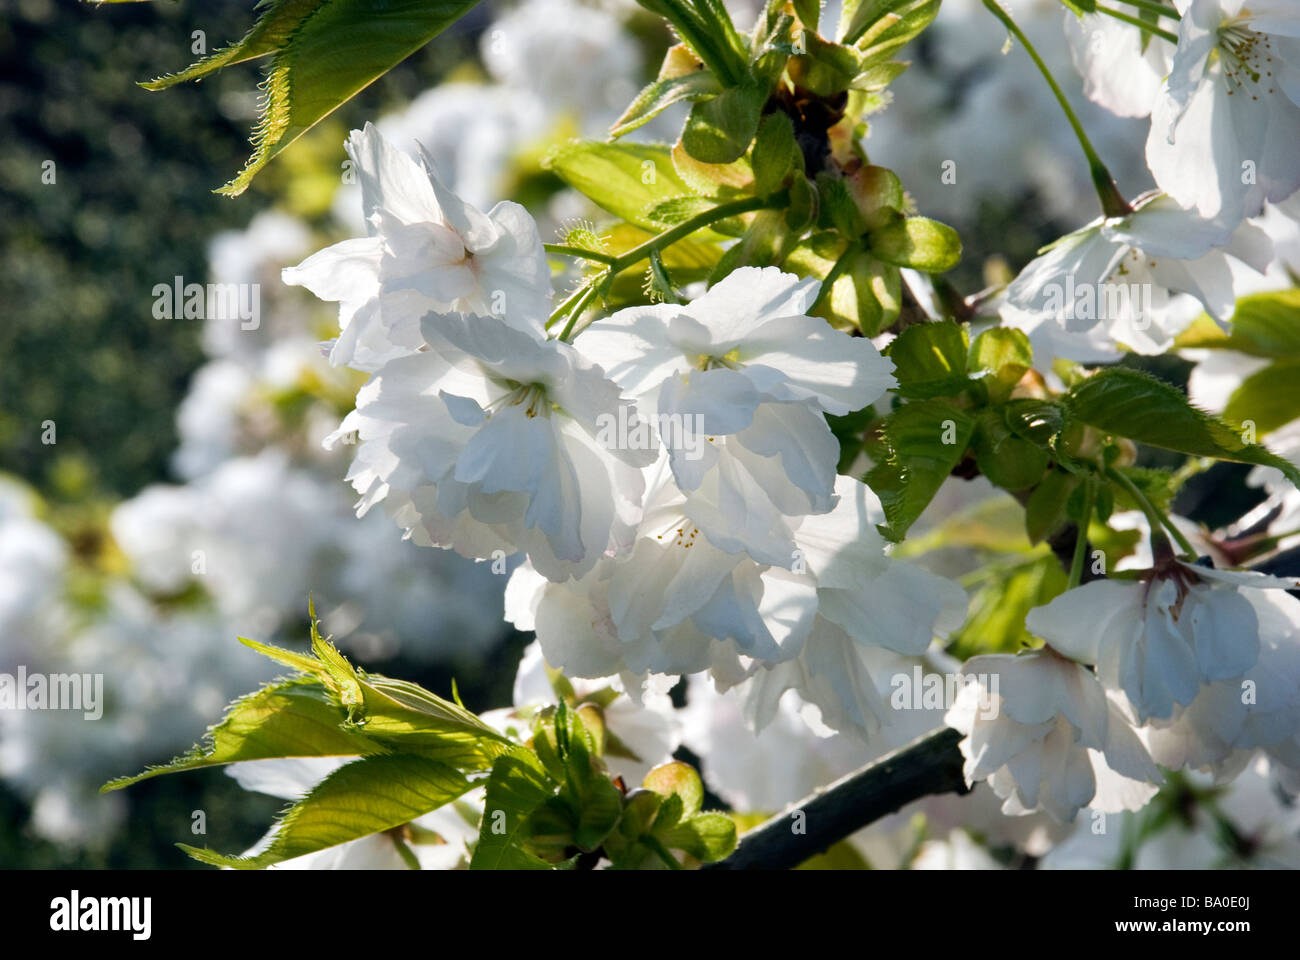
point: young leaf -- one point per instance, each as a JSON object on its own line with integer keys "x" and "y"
{"x": 1045, "y": 507}
{"x": 360, "y": 798}
{"x": 919, "y": 243}
{"x": 662, "y": 94}
{"x": 1007, "y": 460}
{"x": 1263, "y": 325}
{"x": 707, "y": 837}
{"x": 1268, "y": 398}
{"x": 406, "y": 716}
{"x": 517, "y": 786}
{"x": 706, "y": 28}
{"x": 720, "y": 129}
{"x": 323, "y": 52}
{"x": 926, "y": 440}
{"x": 1132, "y": 404}
{"x": 626, "y": 179}
{"x": 999, "y": 358}
{"x": 397, "y": 712}
{"x": 290, "y": 718}
{"x": 930, "y": 360}
{"x": 774, "y": 152}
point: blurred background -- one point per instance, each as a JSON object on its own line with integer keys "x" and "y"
{"x": 162, "y": 485}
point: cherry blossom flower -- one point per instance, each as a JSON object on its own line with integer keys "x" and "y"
{"x": 1159, "y": 639}
{"x": 1048, "y": 738}
{"x": 426, "y": 250}
{"x": 1120, "y": 273}
{"x": 487, "y": 441}
{"x": 1225, "y": 126}
{"x": 745, "y": 369}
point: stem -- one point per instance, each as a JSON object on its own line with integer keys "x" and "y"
{"x": 836, "y": 270}
{"x": 1155, "y": 516}
{"x": 566, "y": 251}
{"x": 1113, "y": 203}
{"x": 563, "y": 309}
{"x": 588, "y": 292}
{"x": 687, "y": 227}
{"x": 931, "y": 764}
{"x": 1144, "y": 25}
{"x": 1081, "y": 537}
{"x": 1151, "y": 6}
{"x": 580, "y": 298}
{"x": 661, "y": 852}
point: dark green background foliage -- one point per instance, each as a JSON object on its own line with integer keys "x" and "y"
{"x": 132, "y": 206}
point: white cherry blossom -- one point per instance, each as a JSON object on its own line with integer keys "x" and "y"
{"x": 1159, "y": 639}
{"x": 1048, "y": 738}
{"x": 1225, "y": 125}
{"x": 488, "y": 441}
{"x": 426, "y": 250}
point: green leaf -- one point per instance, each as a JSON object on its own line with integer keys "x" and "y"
{"x": 926, "y": 440}
{"x": 826, "y": 68}
{"x": 930, "y": 360}
{"x": 517, "y": 786}
{"x": 1038, "y": 421}
{"x": 1263, "y": 325}
{"x": 706, "y": 28}
{"x": 289, "y": 718}
{"x": 917, "y": 242}
{"x": 396, "y": 712}
{"x": 677, "y": 210}
{"x": 1133, "y": 404}
{"x": 999, "y": 358}
{"x": 774, "y": 153}
{"x": 707, "y": 837}
{"x": 323, "y": 52}
{"x": 720, "y": 129}
{"x": 1007, "y": 460}
{"x": 767, "y": 241}
{"x": 720, "y": 181}
{"x": 836, "y": 206}
{"x": 1268, "y": 398}
{"x": 866, "y": 295}
{"x": 996, "y": 623}
{"x": 802, "y": 210}
{"x": 406, "y": 716}
{"x": 599, "y": 813}
{"x": 360, "y": 798}
{"x": 1045, "y": 507}
{"x": 879, "y": 28}
{"x": 627, "y": 179}
{"x": 270, "y": 33}
{"x": 662, "y": 94}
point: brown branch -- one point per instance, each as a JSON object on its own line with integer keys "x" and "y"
{"x": 929, "y": 765}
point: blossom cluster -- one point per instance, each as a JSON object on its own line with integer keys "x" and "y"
{"x": 670, "y": 474}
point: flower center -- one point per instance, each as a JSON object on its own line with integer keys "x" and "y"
{"x": 531, "y": 396}
{"x": 728, "y": 361}
{"x": 680, "y": 533}
{"x": 1247, "y": 60}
